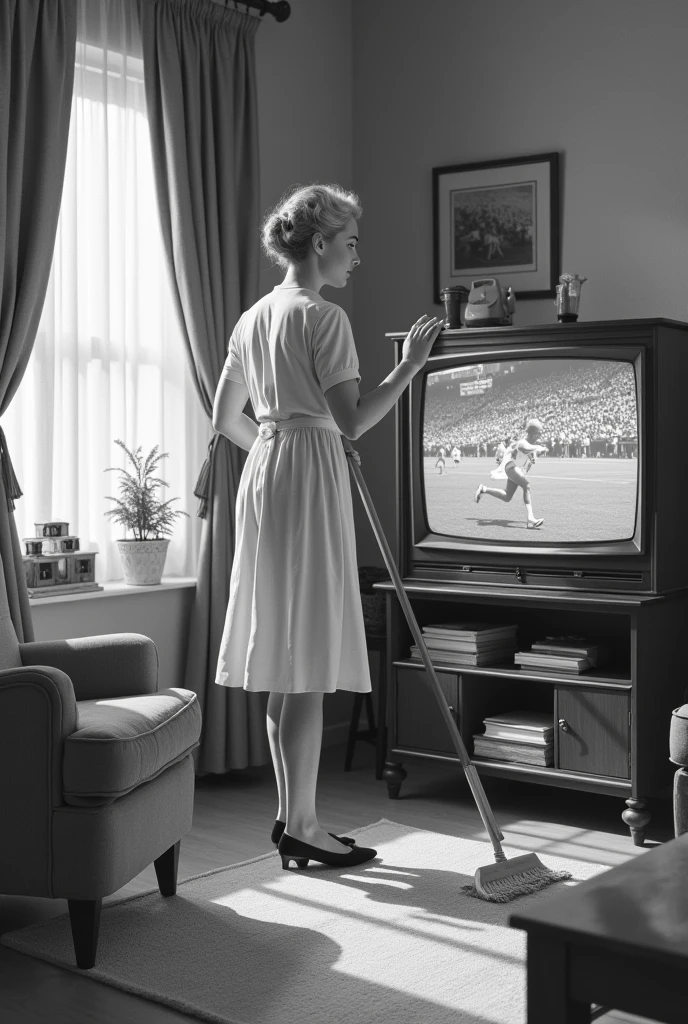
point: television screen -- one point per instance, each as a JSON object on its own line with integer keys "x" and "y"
{"x": 532, "y": 450}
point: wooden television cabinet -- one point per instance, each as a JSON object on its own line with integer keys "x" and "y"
{"x": 611, "y": 726}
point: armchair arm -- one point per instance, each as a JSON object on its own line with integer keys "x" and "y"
{"x": 111, "y": 665}
{"x": 37, "y": 713}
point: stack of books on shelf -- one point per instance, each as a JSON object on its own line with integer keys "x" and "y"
{"x": 517, "y": 736}
{"x": 468, "y": 643}
{"x": 569, "y": 654}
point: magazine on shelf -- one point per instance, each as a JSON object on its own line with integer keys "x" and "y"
{"x": 570, "y": 646}
{"x": 468, "y": 630}
{"x": 473, "y": 646}
{"x": 507, "y": 735}
{"x": 548, "y": 659}
{"x": 549, "y": 670}
{"x": 540, "y": 670}
{"x": 489, "y": 743}
{"x": 565, "y": 664}
{"x": 513, "y": 752}
{"x": 459, "y": 658}
{"x": 532, "y": 721}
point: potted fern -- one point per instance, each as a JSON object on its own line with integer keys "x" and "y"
{"x": 138, "y": 510}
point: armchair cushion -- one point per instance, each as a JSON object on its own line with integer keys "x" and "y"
{"x": 678, "y": 736}
{"x": 111, "y": 665}
{"x": 121, "y": 742}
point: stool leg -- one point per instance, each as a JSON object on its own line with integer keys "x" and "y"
{"x": 381, "y": 739}
{"x": 353, "y": 729}
{"x": 370, "y": 714}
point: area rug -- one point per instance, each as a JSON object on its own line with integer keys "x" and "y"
{"x": 394, "y": 939}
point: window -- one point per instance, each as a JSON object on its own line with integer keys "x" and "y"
{"x": 109, "y": 358}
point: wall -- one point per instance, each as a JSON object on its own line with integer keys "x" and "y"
{"x": 436, "y": 84}
{"x": 163, "y": 616}
{"x": 305, "y": 126}
{"x": 303, "y": 68}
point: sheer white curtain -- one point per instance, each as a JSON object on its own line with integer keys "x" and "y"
{"x": 108, "y": 361}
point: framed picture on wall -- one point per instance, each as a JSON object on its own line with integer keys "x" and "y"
{"x": 498, "y": 219}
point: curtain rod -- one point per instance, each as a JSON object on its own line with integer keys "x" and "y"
{"x": 279, "y": 9}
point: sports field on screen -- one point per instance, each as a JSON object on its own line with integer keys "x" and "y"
{"x": 579, "y": 500}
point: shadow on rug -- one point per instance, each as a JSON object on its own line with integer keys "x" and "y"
{"x": 394, "y": 939}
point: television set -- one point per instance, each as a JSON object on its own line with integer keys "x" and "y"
{"x": 599, "y": 474}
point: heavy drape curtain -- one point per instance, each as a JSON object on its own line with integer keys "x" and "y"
{"x": 37, "y": 42}
{"x": 199, "y": 68}
{"x": 109, "y": 359}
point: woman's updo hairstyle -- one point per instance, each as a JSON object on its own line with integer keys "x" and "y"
{"x": 288, "y": 228}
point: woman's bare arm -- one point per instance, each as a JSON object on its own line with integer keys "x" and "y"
{"x": 228, "y": 413}
{"x": 355, "y": 413}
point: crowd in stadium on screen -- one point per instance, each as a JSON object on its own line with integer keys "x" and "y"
{"x": 591, "y": 414}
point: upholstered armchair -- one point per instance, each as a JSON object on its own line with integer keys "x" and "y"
{"x": 96, "y": 771}
{"x": 678, "y": 753}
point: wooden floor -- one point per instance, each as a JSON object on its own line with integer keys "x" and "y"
{"x": 233, "y": 816}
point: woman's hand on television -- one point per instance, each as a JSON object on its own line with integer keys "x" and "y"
{"x": 354, "y": 413}
{"x": 420, "y": 339}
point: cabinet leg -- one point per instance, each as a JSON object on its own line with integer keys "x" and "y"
{"x": 84, "y": 918}
{"x": 166, "y": 870}
{"x": 637, "y": 817}
{"x": 393, "y": 775}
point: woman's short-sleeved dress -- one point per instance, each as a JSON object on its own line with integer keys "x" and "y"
{"x": 294, "y": 619}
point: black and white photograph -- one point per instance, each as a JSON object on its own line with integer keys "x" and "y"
{"x": 501, "y": 216}
{"x": 493, "y": 227}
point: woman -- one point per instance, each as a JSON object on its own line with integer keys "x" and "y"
{"x": 519, "y": 457}
{"x": 294, "y": 624}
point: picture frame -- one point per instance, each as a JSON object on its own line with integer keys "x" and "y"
{"x": 498, "y": 218}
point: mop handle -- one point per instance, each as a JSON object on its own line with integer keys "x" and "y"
{"x": 469, "y": 768}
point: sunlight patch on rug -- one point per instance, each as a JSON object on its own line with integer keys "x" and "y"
{"x": 394, "y": 939}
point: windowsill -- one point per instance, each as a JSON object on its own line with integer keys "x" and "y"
{"x": 116, "y": 588}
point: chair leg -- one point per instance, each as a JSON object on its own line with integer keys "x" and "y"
{"x": 353, "y": 729}
{"x": 166, "y": 870}
{"x": 84, "y": 917}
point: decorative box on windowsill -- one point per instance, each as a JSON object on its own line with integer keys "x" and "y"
{"x": 54, "y": 564}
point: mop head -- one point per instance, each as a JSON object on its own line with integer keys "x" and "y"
{"x": 509, "y": 879}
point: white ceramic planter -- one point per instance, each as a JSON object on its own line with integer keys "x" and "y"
{"x": 143, "y": 560}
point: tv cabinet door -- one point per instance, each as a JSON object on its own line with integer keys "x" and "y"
{"x": 594, "y": 733}
{"x": 418, "y": 720}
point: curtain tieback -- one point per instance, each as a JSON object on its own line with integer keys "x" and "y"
{"x": 201, "y": 488}
{"x": 9, "y": 479}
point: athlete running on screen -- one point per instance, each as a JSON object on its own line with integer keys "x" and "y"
{"x": 519, "y": 457}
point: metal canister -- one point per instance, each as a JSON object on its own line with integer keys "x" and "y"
{"x": 454, "y": 298}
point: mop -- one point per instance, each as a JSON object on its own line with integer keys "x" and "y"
{"x": 506, "y": 878}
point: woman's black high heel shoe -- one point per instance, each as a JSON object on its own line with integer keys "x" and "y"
{"x": 279, "y": 827}
{"x": 291, "y": 849}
